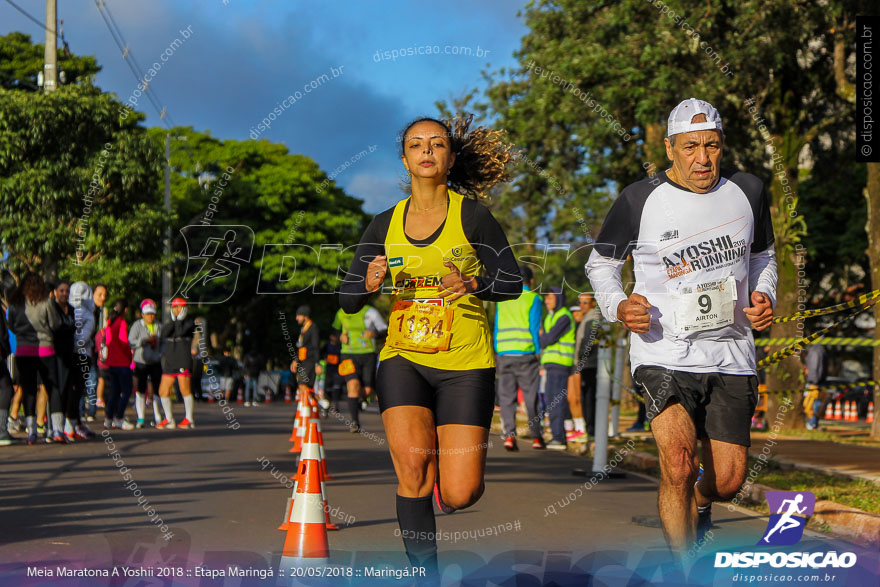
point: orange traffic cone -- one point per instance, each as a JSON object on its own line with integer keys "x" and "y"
{"x": 301, "y": 429}
{"x": 296, "y": 422}
{"x": 837, "y": 415}
{"x": 870, "y": 413}
{"x": 324, "y": 471}
{"x": 829, "y": 412}
{"x": 287, "y": 398}
{"x": 312, "y": 450}
{"x": 852, "y": 412}
{"x": 306, "y": 541}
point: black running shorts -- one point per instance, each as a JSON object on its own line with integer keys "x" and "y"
{"x": 455, "y": 397}
{"x": 720, "y": 405}
{"x": 305, "y": 373}
{"x": 364, "y": 365}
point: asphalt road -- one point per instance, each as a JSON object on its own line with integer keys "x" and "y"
{"x": 69, "y": 506}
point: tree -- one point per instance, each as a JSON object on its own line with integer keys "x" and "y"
{"x": 21, "y": 61}
{"x": 78, "y": 188}
{"x": 298, "y": 221}
{"x": 843, "y": 30}
{"x": 589, "y": 69}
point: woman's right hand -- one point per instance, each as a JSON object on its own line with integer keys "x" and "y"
{"x": 376, "y": 273}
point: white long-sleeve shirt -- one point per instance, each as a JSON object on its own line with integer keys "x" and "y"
{"x": 697, "y": 258}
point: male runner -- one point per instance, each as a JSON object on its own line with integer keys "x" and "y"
{"x": 358, "y": 360}
{"x": 702, "y": 245}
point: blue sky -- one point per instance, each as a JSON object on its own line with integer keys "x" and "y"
{"x": 244, "y": 57}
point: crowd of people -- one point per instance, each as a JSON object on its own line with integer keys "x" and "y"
{"x": 68, "y": 352}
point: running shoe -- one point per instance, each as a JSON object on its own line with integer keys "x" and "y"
{"x": 100, "y": 404}
{"x": 704, "y": 521}
{"x": 556, "y": 445}
{"x": 108, "y": 424}
{"x": 186, "y": 423}
{"x": 636, "y": 428}
{"x": 247, "y": 404}
{"x": 443, "y": 507}
{"x": 575, "y": 436}
{"x": 510, "y": 444}
{"x": 123, "y": 424}
{"x": 71, "y": 436}
{"x": 90, "y": 418}
{"x": 354, "y": 428}
{"x": 82, "y": 432}
{"x": 140, "y": 423}
{"x": 41, "y": 430}
{"x": 166, "y": 424}
{"x": 5, "y": 438}
{"x": 32, "y": 438}
{"x": 57, "y": 438}
{"x": 13, "y": 425}
{"x": 539, "y": 443}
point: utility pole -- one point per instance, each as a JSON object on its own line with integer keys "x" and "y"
{"x": 166, "y": 275}
{"x": 50, "y": 57}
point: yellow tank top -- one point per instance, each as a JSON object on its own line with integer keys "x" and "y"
{"x": 416, "y": 272}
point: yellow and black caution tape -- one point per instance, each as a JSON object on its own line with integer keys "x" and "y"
{"x": 823, "y": 340}
{"x": 854, "y": 384}
{"x": 857, "y": 306}
{"x": 866, "y": 300}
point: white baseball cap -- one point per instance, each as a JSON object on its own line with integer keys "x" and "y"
{"x": 681, "y": 116}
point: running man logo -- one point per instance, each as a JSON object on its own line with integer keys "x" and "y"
{"x": 786, "y": 526}
{"x": 215, "y": 255}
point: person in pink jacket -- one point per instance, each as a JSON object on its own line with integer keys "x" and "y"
{"x": 118, "y": 360}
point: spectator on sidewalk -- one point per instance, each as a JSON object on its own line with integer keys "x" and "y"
{"x": 119, "y": 359}
{"x": 253, "y": 364}
{"x": 517, "y": 343}
{"x": 816, "y": 367}
{"x": 585, "y": 361}
{"x": 557, "y": 358}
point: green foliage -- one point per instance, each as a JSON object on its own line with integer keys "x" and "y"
{"x": 78, "y": 189}
{"x": 274, "y": 193}
{"x": 21, "y": 61}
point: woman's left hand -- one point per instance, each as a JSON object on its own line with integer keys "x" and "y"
{"x": 454, "y": 284}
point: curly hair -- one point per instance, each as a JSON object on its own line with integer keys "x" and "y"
{"x": 481, "y": 155}
{"x": 31, "y": 288}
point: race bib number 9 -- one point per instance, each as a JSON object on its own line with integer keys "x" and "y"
{"x": 421, "y": 327}
{"x": 705, "y": 306}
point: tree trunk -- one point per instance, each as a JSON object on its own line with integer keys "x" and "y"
{"x": 788, "y": 373}
{"x": 655, "y": 152}
{"x": 872, "y": 193}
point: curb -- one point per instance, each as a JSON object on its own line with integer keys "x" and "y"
{"x": 826, "y": 470}
{"x": 849, "y": 522}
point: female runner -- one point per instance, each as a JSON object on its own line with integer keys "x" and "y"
{"x": 436, "y": 380}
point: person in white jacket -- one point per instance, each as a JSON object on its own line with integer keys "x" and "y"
{"x": 84, "y": 342}
{"x": 145, "y": 340}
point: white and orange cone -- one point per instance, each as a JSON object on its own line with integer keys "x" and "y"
{"x": 306, "y": 542}
{"x": 302, "y": 429}
{"x": 296, "y": 422}
{"x": 870, "y": 413}
{"x": 829, "y": 412}
{"x": 837, "y": 414}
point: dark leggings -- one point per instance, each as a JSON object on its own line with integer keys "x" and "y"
{"x": 73, "y": 377}
{"x": 47, "y": 368}
{"x": 6, "y": 390}
{"x": 120, "y": 392}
